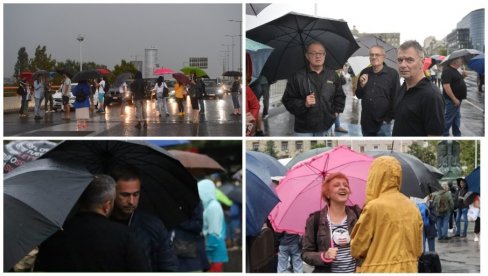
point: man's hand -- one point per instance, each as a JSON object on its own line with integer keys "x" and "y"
{"x": 331, "y": 253}
{"x": 363, "y": 80}
{"x": 310, "y": 100}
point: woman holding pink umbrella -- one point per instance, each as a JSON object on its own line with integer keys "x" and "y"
{"x": 326, "y": 242}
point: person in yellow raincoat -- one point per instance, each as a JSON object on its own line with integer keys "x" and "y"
{"x": 388, "y": 235}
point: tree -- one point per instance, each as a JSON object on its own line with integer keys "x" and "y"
{"x": 41, "y": 60}
{"x": 469, "y": 149}
{"x": 123, "y": 67}
{"x": 22, "y": 63}
{"x": 426, "y": 152}
{"x": 270, "y": 148}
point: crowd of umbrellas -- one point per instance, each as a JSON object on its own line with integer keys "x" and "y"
{"x": 288, "y": 204}
{"x": 43, "y": 181}
{"x": 276, "y": 48}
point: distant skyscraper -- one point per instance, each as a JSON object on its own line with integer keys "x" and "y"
{"x": 150, "y": 62}
{"x": 475, "y": 22}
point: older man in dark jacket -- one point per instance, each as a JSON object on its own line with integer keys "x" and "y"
{"x": 314, "y": 95}
{"x": 149, "y": 230}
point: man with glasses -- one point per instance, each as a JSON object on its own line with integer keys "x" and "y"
{"x": 314, "y": 94}
{"x": 377, "y": 87}
{"x": 420, "y": 108}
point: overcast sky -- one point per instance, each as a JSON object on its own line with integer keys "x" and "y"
{"x": 122, "y": 31}
{"x": 414, "y": 19}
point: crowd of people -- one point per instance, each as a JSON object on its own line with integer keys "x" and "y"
{"x": 403, "y": 102}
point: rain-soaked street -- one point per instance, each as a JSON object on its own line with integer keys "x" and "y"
{"x": 280, "y": 122}
{"x": 216, "y": 121}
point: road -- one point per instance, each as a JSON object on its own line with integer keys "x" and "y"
{"x": 217, "y": 121}
{"x": 280, "y": 122}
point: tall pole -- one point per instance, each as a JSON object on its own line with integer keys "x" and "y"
{"x": 228, "y": 54}
{"x": 80, "y": 38}
{"x": 240, "y": 42}
{"x": 232, "y": 37}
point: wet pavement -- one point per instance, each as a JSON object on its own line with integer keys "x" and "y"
{"x": 217, "y": 121}
{"x": 280, "y": 122}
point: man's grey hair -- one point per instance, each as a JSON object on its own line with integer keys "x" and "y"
{"x": 379, "y": 47}
{"x": 313, "y": 42}
{"x": 100, "y": 190}
{"x": 413, "y": 44}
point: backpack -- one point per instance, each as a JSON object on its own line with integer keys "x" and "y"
{"x": 106, "y": 87}
{"x": 443, "y": 205}
{"x": 80, "y": 95}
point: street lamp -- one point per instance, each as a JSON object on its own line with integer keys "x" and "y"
{"x": 80, "y": 38}
{"x": 232, "y": 36}
{"x": 240, "y": 41}
{"x": 228, "y": 53}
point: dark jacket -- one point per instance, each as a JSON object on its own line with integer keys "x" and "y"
{"x": 91, "y": 243}
{"x": 138, "y": 87}
{"x": 153, "y": 236}
{"x": 191, "y": 230}
{"x": 329, "y": 96}
{"x": 314, "y": 244}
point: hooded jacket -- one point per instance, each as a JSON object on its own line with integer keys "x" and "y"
{"x": 388, "y": 235}
{"x": 213, "y": 223}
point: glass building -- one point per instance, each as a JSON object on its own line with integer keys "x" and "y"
{"x": 475, "y": 22}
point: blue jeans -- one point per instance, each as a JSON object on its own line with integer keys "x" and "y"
{"x": 201, "y": 102}
{"x": 235, "y": 99}
{"x": 310, "y": 134}
{"x": 289, "y": 251}
{"x": 464, "y": 213}
{"x": 37, "y": 107}
{"x": 430, "y": 242}
{"x": 452, "y": 118}
{"x": 442, "y": 225}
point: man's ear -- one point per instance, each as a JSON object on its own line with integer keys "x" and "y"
{"x": 107, "y": 207}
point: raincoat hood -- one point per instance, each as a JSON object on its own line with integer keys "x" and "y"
{"x": 385, "y": 175}
{"x": 206, "y": 190}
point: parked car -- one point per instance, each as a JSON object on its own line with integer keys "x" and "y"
{"x": 212, "y": 89}
{"x": 114, "y": 94}
{"x": 58, "y": 101}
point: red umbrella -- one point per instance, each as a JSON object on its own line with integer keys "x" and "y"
{"x": 427, "y": 63}
{"x": 104, "y": 71}
{"x": 163, "y": 71}
{"x": 181, "y": 78}
{"x": 27, "y": 75}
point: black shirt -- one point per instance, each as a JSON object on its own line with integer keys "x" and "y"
{"x": 419, "y": 110}
{"x": 378, "y": 97}
{"x": 452, "y": 76}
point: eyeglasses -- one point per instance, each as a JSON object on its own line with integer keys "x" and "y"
{"x": 375, "y": 55}
{"x": 318, "y": 54}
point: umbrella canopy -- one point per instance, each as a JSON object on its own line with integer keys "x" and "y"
{"x": 104, "y": 71}
{"x": 37, "y": 199}
{"x": 122, "y": 78}
{"x": 163, "y": 71}
{"x": 62, "y": 71}
{"x": 260, "y": 197}
{"x": 181, "y": 78}
{"x": 233, "y": 192}
{"x": 368, "y": 41}
{"x": 358, "y": 63}
{"x": 26, "y": 74}
{"x": 232, "y": 74}
{"x": 418, "y": 180}
{"x": 273, "y": 166}
{"x": 17, "y": 153}
{"x": 86, "y": 75}
{"x": 222, "y": 198}
{"x": 188, "y": 70}
{"x": 466, "y": 54}
{"x": 437, "y": 58}
{"x": 427, "y": 63}
{"x": 300, "y": 190}
{"x": 168, "y": 190}
{"x": 255, "y": 9}
{"x": 168, "y": 143}
{"x": 259, "y": 54}
{"x": 478, "y": 64}
{"x": 290, "y": 34}
{"x": 305, "y": 155}
{"x": 198, "y": 164}
{"x": 473, "y": 180}
{"x": 42, "y": 73}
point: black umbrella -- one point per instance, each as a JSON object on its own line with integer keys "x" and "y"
{"x": 232, "y": 191}
{"x": 232, "y": 74}
{"x": 42, "y": 73}
{"x": 417, "y": 179}
{"x": 62, "y": 71}
{"x": 255, "y": 8}
{"x": 368, "y": 41}
{"x": 17, "y": 153}
{"x": 466, "y": 54}
{"x": 37, "y": 198}
{"x": 168, "y": 189}
{"x": 289, "y": 36}
{"x": 86, "y": 75}
{"x": 122, "y": 78}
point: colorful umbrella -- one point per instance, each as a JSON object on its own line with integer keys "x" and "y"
{"x": 163, "y": 71}
{"x": 478, "y": 64}
{"x": 473, "y": 180}
{"x": 104, "y": 71}
{"x": 427, "y": 63}
{"x": 259, "y": 54}
{"x": 181, "y": 78}
{"x": 300, "y": 190}
{"x": 188, "y": 70}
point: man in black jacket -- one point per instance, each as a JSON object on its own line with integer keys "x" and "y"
{"x": 314, "y": 94}
{"x": 149, "y": 230}
{"x": 90, "y": 242}
{"x": 377, "y": 86}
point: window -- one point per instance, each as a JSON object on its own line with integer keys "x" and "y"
{"x": 376, "y": 147}
{"x": 389, "y": 147}
{"x": 328, "y": 143}
{"x": 284, "y": 146}
{"x": 299, "y": 145}
{"x": 313, "y": 144}
{"x": 255, "y": 146}
{"x": 361, "y": 148}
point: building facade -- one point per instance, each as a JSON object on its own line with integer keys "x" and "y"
{"x": 458, "y": 39}
{"x": 475, "y": 22}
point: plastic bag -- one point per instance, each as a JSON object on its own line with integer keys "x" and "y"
{"x": 473, "y": 213}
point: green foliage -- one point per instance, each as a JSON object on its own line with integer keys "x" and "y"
{"x": 123, "y": 67}
{"x": 469, "y": 151}
{"x": 270, "y": 149}
{"x": 316, "y": 146}
{"x": 22, "y": 63}
{"x": 41, "y": 60}
{"x": 425, "y": 151}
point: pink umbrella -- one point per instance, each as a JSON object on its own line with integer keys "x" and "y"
{"x": 163, "y": 71}
{"x": 300, "y": 190}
